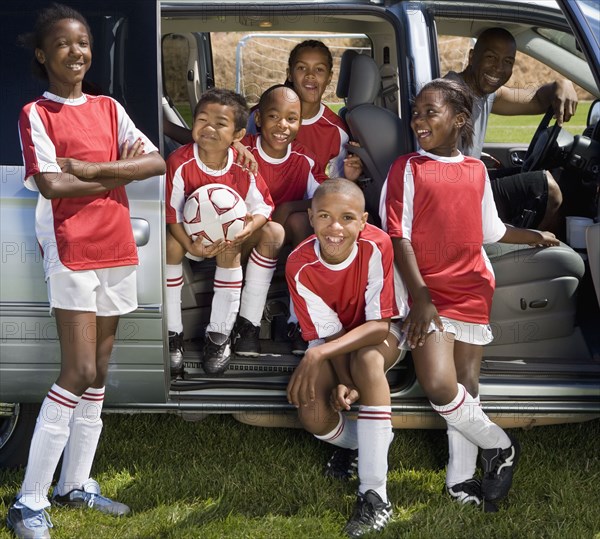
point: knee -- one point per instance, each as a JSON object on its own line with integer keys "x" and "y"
{"x": 366, "y": 367}
{"x": 555, "y": 196}
{"x": 438, "y": 391}
{"x": 79, "y": 377}
{"x": 272, "y": 236}
{"x": 174, "y": 251}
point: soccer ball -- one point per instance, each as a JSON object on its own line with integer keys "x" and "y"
{"x": 214, "y": 212}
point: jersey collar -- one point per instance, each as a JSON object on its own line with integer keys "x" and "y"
{"x": 268, "y": 158}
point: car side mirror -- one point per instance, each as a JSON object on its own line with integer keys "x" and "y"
{"x": 594, "y": 113}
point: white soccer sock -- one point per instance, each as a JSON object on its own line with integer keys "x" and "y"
{"x": 174, "y": 276}
{"x": 462, "y": 458}
{"x": 226, "y": 301}
{"x": 344, "y": 434}
{"x": 466, "y": 415}
{"x": 86, "y": 426}
{"x": 49, "y": 439}
{"x": 375, "y": 435}
{"x": 259, "y": 272}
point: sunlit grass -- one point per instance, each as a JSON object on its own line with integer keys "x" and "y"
{"x": 222, "y": 479}
{"x": 521, "y": 128}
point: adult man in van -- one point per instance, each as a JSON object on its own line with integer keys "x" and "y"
{"x": 489, "y": 68}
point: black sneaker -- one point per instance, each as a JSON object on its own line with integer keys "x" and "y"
{"x": 498, "y": 469}
{"x": 217, "y": 353}
{"x": 343, "y": 464}
{"x": 294, "y": 334}
{"x": 89, "y": 496}
{"x": 245, "y": 338}
{"x": 467, "y": 492}
{"x": 176, "y": 353}
{"x": 371, "y": 514}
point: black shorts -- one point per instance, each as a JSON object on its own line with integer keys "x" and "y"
{"x": 518, "y": 194}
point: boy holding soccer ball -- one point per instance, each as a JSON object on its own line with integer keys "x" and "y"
{"x": 219, "y": 120}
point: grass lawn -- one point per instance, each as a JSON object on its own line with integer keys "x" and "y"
{"x": 522, "y": 128}
{"x": 221, "y": 479}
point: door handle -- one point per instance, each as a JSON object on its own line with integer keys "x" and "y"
{"x": 141, "y": 231}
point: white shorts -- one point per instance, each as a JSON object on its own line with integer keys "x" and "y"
{"x": 394, "y": 330}
{"x": 106, "y": 292}
{"x": 468, "y": 332}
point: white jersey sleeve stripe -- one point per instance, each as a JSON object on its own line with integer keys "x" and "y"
{"x": 318, "y": 310}
{"x": 127, "y": 130}
{"x": 493, "y": 227}
{"x": 407, "y": 203}
{"x": 177, "y": 200}
{"x": 255, "y": 201}
{"x": 374, "y": 284}
{"x": 45, "y": 151}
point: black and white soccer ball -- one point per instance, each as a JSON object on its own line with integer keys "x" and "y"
{"x": 214, "y": 212}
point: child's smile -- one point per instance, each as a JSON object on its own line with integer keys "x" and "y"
{"x": 67, "y": 56}
{"x": 214, "y": 131}
{"x": 279, "y": 122}
{"x": 337, "y": 220}
{"x": 310, "y": 75}
{"x": 434, "y": 124}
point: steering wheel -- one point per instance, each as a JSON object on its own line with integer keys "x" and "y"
{"x": 541, "y": 143}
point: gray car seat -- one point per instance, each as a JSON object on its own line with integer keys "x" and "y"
{"x": 378, "y": 131}
{"x": 535, "y": 296}
{"x": 341, "y": 90}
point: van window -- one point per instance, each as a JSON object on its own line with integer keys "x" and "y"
{"x": 121, "y": 31}
{"x": 247, "y": 62}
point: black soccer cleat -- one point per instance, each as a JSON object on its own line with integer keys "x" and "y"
{"x": 343, "y": 464}
{"x": 245, "y": 338}
{"x": 498, "y": 469}
{"x": 176, "y": 353}
{"x": 294, "y": 333}
{"x": 467, "y": 492}
{"x": 371, "y": 514}
{"x": 217, "y": 353}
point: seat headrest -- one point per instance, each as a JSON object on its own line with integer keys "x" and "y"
{"x": 344, "y": 75}
{"x": 365, "y": 81}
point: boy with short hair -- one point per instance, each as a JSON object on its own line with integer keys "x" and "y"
{"x": 341, "y": 281}
{"x": 219, "y": 120}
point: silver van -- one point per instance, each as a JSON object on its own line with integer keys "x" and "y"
{"x": 157, "y": 56}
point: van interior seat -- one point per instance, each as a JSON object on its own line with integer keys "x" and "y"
{"x": 535, "y": 295}
{"x": 341, "y": 90}
{"x": 376, "y": 129}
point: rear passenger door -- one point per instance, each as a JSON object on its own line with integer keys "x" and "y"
{"x": 124, "y": 66}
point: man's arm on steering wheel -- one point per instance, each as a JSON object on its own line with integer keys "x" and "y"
{"x": 560, "y": 95}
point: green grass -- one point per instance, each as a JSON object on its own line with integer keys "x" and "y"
{"x": 521, "y": 128}
{"x": 221, "y": 479}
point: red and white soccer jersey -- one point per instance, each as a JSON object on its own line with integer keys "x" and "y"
{"x": 326, "y": 135}
{"x": 445, "y": 207}
{"x": 186, "y": 172}
{"x": 328, "y": 298}
{"x": 293, "y": 177}
{"x": 89, "y": 232}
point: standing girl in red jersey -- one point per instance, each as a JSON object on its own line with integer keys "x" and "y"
{"x": 439, "y": 211}
{"x": 310, "y": 68}
{"x": 79, "y": 151}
